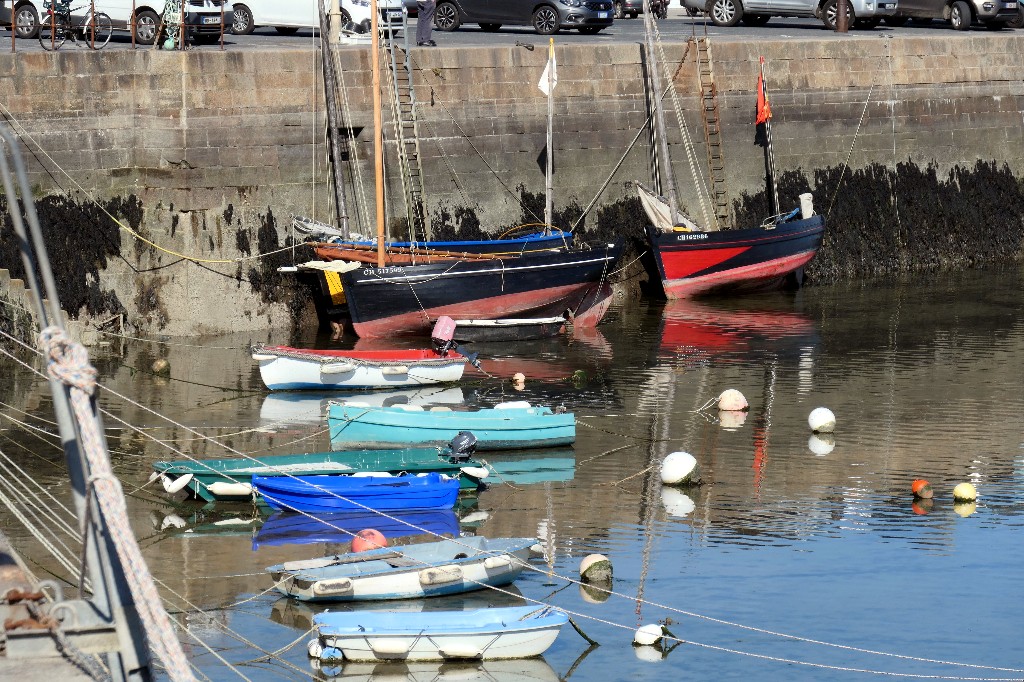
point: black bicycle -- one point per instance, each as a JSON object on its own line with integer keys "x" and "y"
{"x": 56, "y": 26}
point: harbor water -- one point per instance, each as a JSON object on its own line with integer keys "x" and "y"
{"x": 798, "y": 557}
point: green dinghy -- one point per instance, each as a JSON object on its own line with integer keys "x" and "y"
{"x": 231, "y": 479}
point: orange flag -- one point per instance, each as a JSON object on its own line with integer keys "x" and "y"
{"x": 764, "y": 112}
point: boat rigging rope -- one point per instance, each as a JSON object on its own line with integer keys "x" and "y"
{"x": 846, "y": 163}
{"x": 68, "y": 363}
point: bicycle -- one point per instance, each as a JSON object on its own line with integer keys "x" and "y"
{"x": 95, "y": 27}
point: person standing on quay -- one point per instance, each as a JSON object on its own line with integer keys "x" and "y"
{"x": 425, "y": 23}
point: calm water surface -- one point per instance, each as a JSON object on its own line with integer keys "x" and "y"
{"x": 798, "y": 558}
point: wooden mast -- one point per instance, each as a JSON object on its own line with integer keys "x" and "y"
{"x": 664, "y": 161}
{"x": 378, "y": 129}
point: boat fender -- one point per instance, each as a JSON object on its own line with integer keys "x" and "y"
{"x": 537, "y": 549}
{"x": 388, "y": 647}
{"x": 372, "y": 474}
{"x": 172, "y": 521}
{"x": 495, "y": 562}
{"x": 457, "y": 652}
{"x": 263, "y": 357}
{"x": 396, "y": 369}
{"x": 222, "y": 489}
{"x": 314, "y": 648}
{"x": 355, "y": 403}
{"x": 323, "y": 588}
{"x": 176, "y": 484}
{"x": 440, "y": 575}
{"x": 475, "y": 472}
{"x": 337, "y": 368}
{"x": 806, "y": 205}
{"x": 513, "y": 405}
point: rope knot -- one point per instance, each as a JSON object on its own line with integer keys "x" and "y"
{"x": 66, "y": 360}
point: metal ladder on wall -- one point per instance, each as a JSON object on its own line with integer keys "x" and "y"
{"x": 403, "y": 101}
{"x": 712, "y": 130}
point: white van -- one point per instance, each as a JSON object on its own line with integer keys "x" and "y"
{"x": 203, "y": 17}
{"x": 288, "y": 16}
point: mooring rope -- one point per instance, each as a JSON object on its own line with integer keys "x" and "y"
{"x": 68, "y": 363}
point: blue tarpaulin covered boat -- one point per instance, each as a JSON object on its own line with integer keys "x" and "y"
{"x": 287, "y": 528}
{"x": 506, "y": 426}
{"x": 376, "y": 492}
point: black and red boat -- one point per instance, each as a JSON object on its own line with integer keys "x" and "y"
{"x": 691, "y": 263}
{"x": 409, "y": 299}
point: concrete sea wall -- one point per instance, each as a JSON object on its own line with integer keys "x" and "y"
{"x": 165, "y": 179}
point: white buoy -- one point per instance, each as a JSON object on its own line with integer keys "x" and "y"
{"x": 821, "y": 443}
{"x": 314, "y": 648}
{"x": 519, "y": 381}
{"x": 596, "y": 568}
{"x": 679, "y": 468}
{"x": 648, "y": 635}
{"x": 822, "y": 420}
{"x": 965, "y": 492}
{"x": 648, "y": 654}
{"x": 172, "y": 521}
{"x": 732, "y": 400}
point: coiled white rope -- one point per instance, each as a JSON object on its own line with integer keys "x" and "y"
{"x": 68, "y": 363}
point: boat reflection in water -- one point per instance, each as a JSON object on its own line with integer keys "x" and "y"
{"x": 700, "y": 330}
{"x": 520, "y": 670}
{"x": 298, "y": 407}
{"x": 542, "y": 466}
{"x": 289, "y": 528}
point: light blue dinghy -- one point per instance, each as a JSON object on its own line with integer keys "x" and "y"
{"x": 423, "y": 570}
{"x": 506, "y": 426}
{"x": 482, "y": 634}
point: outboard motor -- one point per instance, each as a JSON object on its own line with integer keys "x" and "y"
{"x": 443, "y": 336}
{"x": 462, "y": 446}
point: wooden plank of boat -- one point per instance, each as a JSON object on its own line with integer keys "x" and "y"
{"x": 509, "y": 329}
{"x": 436, "y": 568}
{"x": 493, "y": 633}
{"x": 288, "y": 368}
{"x": 396, "y": 255}
{"x": 511, "y": 425}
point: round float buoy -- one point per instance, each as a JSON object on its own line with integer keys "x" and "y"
{"x": 331, "y": 654}
{"x": 965, "y": 492}
{"x": 648, "y": 635}
{"x": 579, "y": 378}
{"x": 821, "y": 444}
{"x": 593, "y": 594}
{"x": 680, "y": 468}
{"x": 161, "y": 367}
{"x": 519, "y": 381}
{"x": 922, "y": 489}
{"x": 676, "y": 502}
{"x": 368, "y": 539}
{"x": 596, "y": 568}
{"x": 732, "y": 400}
{"x": 822, "y": 420}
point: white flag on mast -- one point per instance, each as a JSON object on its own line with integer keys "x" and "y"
{"x": 550, "y": 76}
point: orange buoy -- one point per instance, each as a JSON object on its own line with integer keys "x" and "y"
{"x": 921, "y": 488}
{"x": 922, "y": 505}
{"x": 368, "y": 539}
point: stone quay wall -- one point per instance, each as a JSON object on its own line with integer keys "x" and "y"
{"x": 163, "y": 176}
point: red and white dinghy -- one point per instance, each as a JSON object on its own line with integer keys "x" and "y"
{"x": 284, "y": 368}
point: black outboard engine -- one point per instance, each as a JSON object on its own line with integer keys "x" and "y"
{"x": 462, "y": 446}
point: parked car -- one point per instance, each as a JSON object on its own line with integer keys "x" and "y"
{"x": 203, "y": 17}
{"x": 546, "y": 17}
{"x": 288, "y": 16}
{"x": 861, "y": 13}
{"x": 631, "y": 9}
{"x": 1018, "y": 21}
{"x": 993, "y": 14}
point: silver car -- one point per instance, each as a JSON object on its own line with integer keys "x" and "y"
{"x": 862, "y": 13}
{"x": 546, "y": 16}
